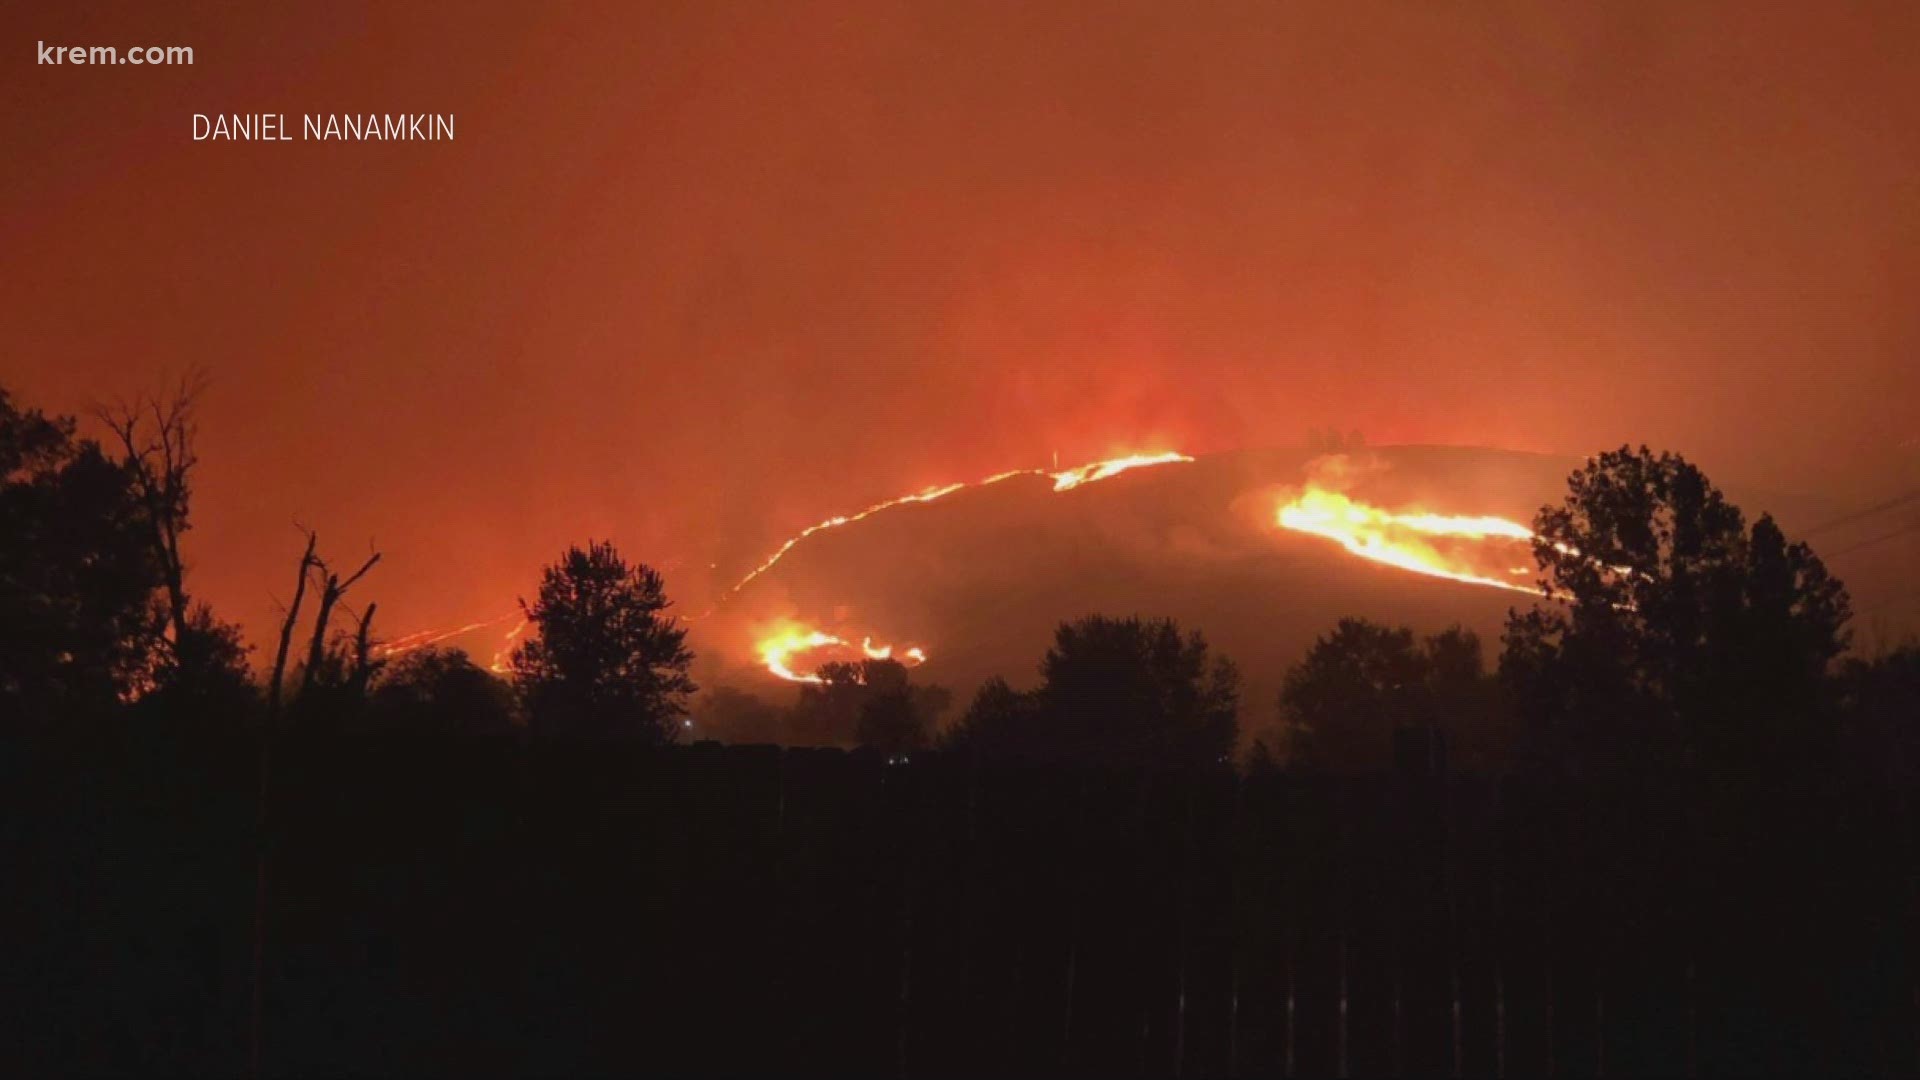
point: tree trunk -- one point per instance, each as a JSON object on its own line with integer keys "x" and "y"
{"x": 286, "y": 631}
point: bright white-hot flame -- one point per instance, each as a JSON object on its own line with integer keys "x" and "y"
{"x": 1439, "y": 545}
{"x": 1100, "y": 470}
{"x": 781, "y": 651}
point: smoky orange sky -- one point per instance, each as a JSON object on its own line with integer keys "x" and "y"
{"x": 693, "y": 275}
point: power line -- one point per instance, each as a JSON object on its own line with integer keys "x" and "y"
{"x": 1866, "y": 512}
{"x": 1902, "y": 531}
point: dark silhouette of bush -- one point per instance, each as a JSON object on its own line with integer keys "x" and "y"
{"x": 438, "y": 691}
{"x": 203, "y": 680}
{"x": 604, "y": 658}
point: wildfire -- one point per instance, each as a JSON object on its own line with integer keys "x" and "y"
{"x": 505, "y": 652}
{"x": 1461, "y": 548}
{"x": 777, "y": 650}
{"x": 925, "y": 496}
{"x": 1065, "y": 480}
{"x": 420, "y": 639}
{"x": 1100, "y": 470}
{"x": 780, "y": 650}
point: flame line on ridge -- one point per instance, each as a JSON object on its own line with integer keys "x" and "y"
{"x": 1369, "y": 532}
{"x": 1063, "y": 480}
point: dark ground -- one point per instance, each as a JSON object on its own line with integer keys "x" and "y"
{"x": 485, "y": 907}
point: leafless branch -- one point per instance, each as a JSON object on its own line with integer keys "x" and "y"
{"x": 307, "y": 561}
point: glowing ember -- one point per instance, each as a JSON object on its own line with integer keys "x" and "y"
{"x": 782, "y": 650}
{"x": 1460, "y": 548}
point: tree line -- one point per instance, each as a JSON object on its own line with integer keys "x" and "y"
{"x": 1673, "y": 634}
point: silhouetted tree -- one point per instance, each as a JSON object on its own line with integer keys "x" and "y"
{"x": 1355, "y": 688}
{"x": 277, "y": 677}
{"x": 334, "y": 678}
{"x": 156, "y": 435}
{"x": 896, "y": 716}
{"x": 1466, "y": 702}
{"x": 736, "y": 716}
{"x": 1364, "y": 684}
{"x": 1882, "y": 713}
{"x": 604, "y": 658}
{"x": 1333, "y": 441}
{"x": 204, "y": 680}
{"x": 1136, "y": 692}
{"x": 436, "y": 691}
{"x": 202, "y": 663}
{"x": 1260, "y": 760}
{"x": 79, "y": 627}
{"x": 826, "y": 712}
{"x": 873, "y": 703}
{"x": 1000, "y": 723}
{"x": 331, "y": 694}
{"x": 1677, "y": 632}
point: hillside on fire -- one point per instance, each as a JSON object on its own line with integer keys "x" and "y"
{"x": 1335, "y": 759}
{"x": 978, "y": 578}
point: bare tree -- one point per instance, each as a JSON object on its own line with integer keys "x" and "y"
{"x": 156, "y": 433}
{"x": 332, "y": 588}
{"x": 307, "y": 562}
{"x": 363, "y": 663}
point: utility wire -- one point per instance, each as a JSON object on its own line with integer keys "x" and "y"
{"x": 1866, "y": 512}
{"x": 1902, "y": 531}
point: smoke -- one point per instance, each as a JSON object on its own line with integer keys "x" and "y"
{"x": 711, "y": 270}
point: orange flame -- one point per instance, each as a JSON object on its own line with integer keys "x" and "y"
{"x": 1100, "y": 470}
{"x": 925, "y": 496}
{"x": 420, "y": 639}
{"x": 1065, "y": 480}
{"x": 1440, "y": 545}
{"x": 780, "y": 650}
{"x": 504, "y": 653}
